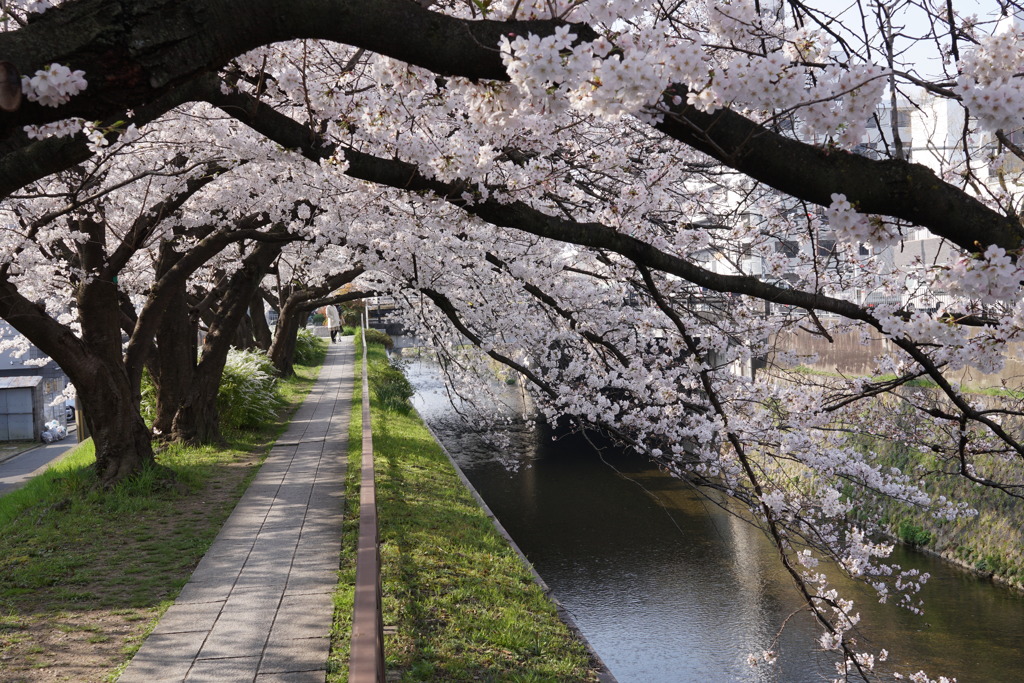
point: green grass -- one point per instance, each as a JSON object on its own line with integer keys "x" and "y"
{"x": 70, "y": 551}
{"x": 991, "y": 543}
{"x": 1016, "y": 394}
{"x": 462, "y": 604}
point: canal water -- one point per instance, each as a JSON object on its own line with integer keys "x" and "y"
{"x": 669, "y": 586}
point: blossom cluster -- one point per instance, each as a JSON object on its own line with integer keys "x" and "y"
{"x": 995, "y": 276}
{"x": 856, "y": 228}
{"x": 990, "y": 82}
{"x": 595, "y": 79}
{"x": 611, "y": 78}
{"x": 53, "y": 86}
{"x": 58, "y": 129}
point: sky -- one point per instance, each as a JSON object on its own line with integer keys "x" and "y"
{"x": 923, "y": 54}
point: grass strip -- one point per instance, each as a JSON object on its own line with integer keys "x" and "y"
{"x": 84, "y": 573}
{"x": 462, "y": 605}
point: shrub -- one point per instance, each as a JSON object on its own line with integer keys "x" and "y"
{"x": 377, "y": 337}
{"x": 392, "y": 389}
{"x": 913, "y": 534}
{"x": 309, "y": 348}
{"x": 248, "y": 395}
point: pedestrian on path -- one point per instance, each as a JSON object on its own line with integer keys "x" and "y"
{"x": 333, "y": 322}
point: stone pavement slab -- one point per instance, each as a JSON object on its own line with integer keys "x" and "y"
{"x": 258, "y": 606}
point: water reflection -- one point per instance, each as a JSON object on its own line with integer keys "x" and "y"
{"x": 669, "y": 587}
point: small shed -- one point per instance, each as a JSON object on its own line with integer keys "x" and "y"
{"x": 21, "y": 408}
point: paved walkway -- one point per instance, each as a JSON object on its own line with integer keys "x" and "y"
{"x": 258, "y": 607}
{"x": 17, "y": 468}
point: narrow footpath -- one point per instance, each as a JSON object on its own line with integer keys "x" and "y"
{"x": 258, "y": 607}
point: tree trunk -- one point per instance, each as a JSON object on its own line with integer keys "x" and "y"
{"x": 197, "y": 419}
{"x": 258, "y": 319}
{"x": 282, "y": 351}
{"x": 104, "y": 384}
{"x": 175, "y": 364}
{"x": 244, "y": 337}
{"x": 122, "y": 441}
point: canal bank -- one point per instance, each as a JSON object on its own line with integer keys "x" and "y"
{"x": 459, "y": 604}
{"x": 671, "y": 586}
{"x": 989, "y": 542}
{"x": 604, "y": 675}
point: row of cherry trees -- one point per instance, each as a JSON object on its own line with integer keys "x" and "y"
{"x": 551, "y": 181}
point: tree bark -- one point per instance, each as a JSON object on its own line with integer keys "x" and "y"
{"x": 244, "y": 337}
{"x": 109, "y": 395}
{"x": 197, "y": 419}
{"x": 121, "y": 438}
{"x": 282, "y": 350}
{"x": 176, "y": 353}
{"x": 258, "y": 319}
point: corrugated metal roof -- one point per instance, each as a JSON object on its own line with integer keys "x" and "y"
{"x": 20, "y": 382}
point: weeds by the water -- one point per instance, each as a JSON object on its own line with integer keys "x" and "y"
{"x": 461, "y": 605}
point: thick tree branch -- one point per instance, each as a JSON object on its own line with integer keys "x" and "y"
{"x": 32, "y": 321}
{"x": 889, "y": 187}
{"x": 517, "y": 215}
{"x": 314, "y": 304}
{"x": 137, "y": 52}
{"x": 133, "y": 51}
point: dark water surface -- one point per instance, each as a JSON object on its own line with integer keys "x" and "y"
{"x": 669, "y": 587}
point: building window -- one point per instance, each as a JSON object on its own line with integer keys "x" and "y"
{"x": 787, "y": 247}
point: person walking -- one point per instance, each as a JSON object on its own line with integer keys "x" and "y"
{"x": 333, "y": 322}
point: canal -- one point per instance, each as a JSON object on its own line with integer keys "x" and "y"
{"x": 668, "y": 586}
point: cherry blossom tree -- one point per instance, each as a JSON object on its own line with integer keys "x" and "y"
{"x": 131, "y": 236}
{"x": 306, "y": 280}
{"x": 622, "y": 201}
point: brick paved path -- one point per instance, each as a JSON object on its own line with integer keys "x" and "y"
{"x": 258, "y": 607}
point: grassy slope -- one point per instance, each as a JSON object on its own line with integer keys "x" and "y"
{"x": 462, "y": 605}
{"x": 990, "y": 543}
{"x": 84, "y": 574}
